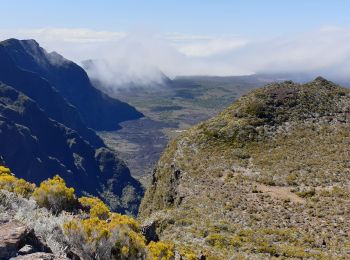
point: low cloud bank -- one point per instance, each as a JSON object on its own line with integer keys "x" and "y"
{"x": 141, "y": 57}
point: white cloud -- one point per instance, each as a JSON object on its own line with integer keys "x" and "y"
{"x": 202, "y": 45}
{"x": 323, "y": 50}
{"x": 211, "y": 47}
{"x": 138, "y": 56}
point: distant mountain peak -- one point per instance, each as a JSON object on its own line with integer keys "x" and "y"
{"x": 42, "y": 133}
{"x": 322, "y": 80}
{"x": 14, "y": 42}
{"x": 72, "y": 82}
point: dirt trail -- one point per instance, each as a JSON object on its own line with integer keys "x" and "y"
{"x": 280, "y": 193}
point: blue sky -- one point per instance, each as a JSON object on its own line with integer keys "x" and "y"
{"x": 224, "y": 17}
{"x": 138, "y": 38}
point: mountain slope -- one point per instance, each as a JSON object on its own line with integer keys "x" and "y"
{"x": 97, "y": 110}
{"x": 47, "y": 97}
{"x": 37, "y": 147}
{"x": 267, "y": 177}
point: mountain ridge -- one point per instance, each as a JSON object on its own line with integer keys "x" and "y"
{"x": 43, "y": 134}
{"x": 266, "y": 170}
{"x": 45, "y": 95}
{"x": 36, "y": 147}
{"x": 98, "y": 110}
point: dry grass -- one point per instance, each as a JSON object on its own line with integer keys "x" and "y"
{"x": 269, "y": 177}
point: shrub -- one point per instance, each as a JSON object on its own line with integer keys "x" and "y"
{"x": 191, "y": 256}
{"x": 187, "y": 253}
{"x": 4, "y": 170}
{"x": 160, "y": 251}
{"x": 218, "y": 240}
{"x": 96, "y": 206}
{"x": 45, "y": 225}
{"x": 24, "y": 188}
{"x": 118, "y": 237}
{"x": 9, "y": 182}
{"x": 55, "y": 195}
{"x": 292, "y": 179}
{"x": 104, "y": 235}
{"x": 123, "y": 220}
{"x": 307, "y": 193}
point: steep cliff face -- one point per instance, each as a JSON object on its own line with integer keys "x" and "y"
{"x": 45, "y": 95}
{"x": 97, "y": 110}
{"x": 46, "y": 131}
{"x": 37, "y": 147}
{"x": 269, "y": 176}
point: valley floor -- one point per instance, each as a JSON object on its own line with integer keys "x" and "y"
{"x": 168, "y": 111}
{"x": 139, "y": 143}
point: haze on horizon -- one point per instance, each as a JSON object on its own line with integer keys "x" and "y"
{"x": 135, "y": 40}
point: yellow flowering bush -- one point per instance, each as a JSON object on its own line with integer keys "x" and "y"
{"x": 118, "y": 237}
{"x": 55, "y": 195}
{"x": 118, "y": 220}
{"x": 104, "y": 235}
{"x": 9, "y": 182}
{"x": 92, "y": 229}
{"x": 191, "y": 256}
{"x": 96, "y": 206}
{"x": 160, "y": 251}
{"x": 107, "y": 235}
{"x": 5, "y": 170}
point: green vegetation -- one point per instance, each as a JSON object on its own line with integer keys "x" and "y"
{"x": 9, "y": 182}
{"x": 96, "y": 207}
{"x": 161, "y": 251}
{"x": 268, "y": 177}
{"x": 117, "y": 238}
{"x": 89, "y": 228}
{"x": 54, "y": 195}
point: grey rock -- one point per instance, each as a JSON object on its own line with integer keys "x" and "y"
{"x": 27, "y": 249}
{"x": 17, "y": 239}
{"x": 12, "y": 235}
{"x": 36, "y": 256}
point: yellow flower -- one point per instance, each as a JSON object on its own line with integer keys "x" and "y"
{"x": 55, "y": 195}
{"x": 9, "y": 182}
{"x": 160, "y": 251}
{"x": 97, "y": 207}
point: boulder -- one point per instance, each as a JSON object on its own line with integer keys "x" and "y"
{"x": 12, "y": 235}
{"x": 17, "y": 239}
{"x": 26, "y": 250}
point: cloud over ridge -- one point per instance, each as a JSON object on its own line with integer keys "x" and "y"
{"x": 141, "y": 56}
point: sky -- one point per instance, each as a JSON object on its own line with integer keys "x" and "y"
{"x": 138, "y": 38}
{"x": 228, "y": 17}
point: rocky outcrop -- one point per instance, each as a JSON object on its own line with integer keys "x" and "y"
{"x": 17, "y": 239}
{"x": 149, "y": 230}
{"x": 12, "y": 236}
